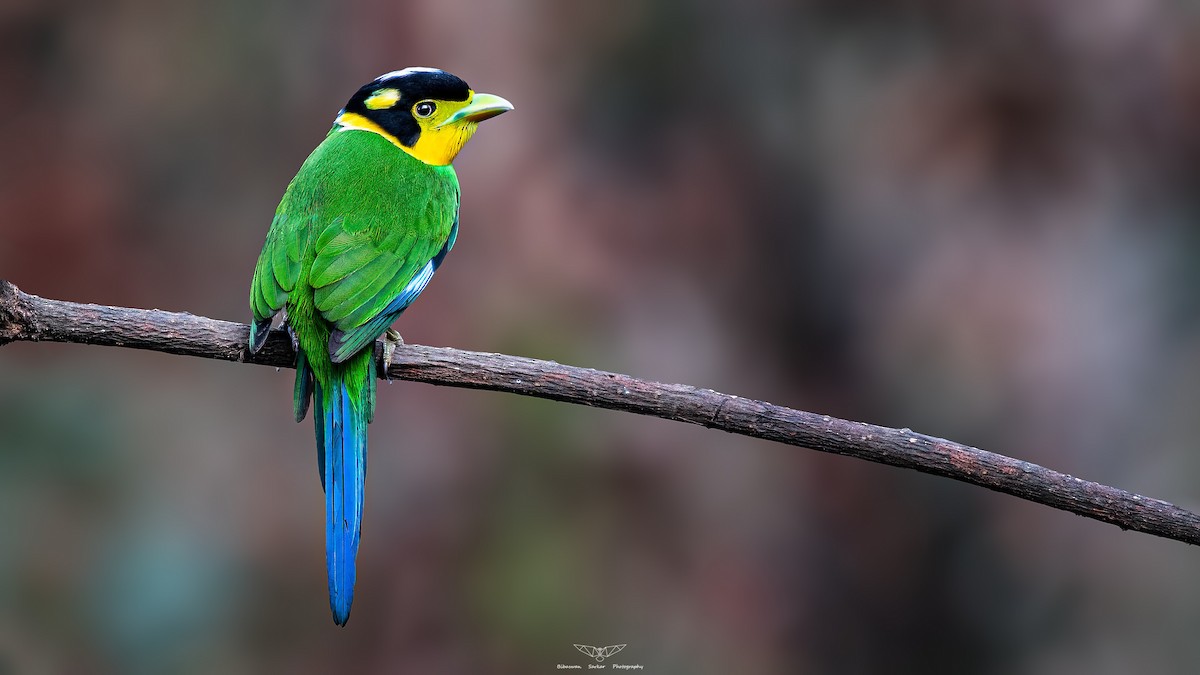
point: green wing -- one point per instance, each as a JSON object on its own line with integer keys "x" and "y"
{"x": 277, "y": 272}
{"x": 366, "y": 272}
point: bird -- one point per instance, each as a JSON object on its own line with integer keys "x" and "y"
{"x": 359, "y": 232}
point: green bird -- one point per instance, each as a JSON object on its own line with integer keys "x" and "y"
{"x": 359, "y": 233}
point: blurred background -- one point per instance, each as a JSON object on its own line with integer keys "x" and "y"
{"x": 974, "y": 218}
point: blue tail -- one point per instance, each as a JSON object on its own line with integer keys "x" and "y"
{"x": 341, "y": 427}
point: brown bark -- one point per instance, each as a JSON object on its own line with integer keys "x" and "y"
{"x": 31, "y": 318}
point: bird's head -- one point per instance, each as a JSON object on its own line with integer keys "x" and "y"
{"x": 428, "y": 113}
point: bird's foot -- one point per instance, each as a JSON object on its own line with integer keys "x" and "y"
{"x": 391, "y": 339}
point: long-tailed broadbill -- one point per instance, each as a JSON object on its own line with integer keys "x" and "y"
{"x": 360, "y": 231}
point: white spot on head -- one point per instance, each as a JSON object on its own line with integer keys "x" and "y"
{"x": 407, "y": 71}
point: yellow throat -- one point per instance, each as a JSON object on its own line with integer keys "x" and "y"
{"x": 437, "y": 146}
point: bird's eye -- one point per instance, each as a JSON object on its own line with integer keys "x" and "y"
{"x": 424, "y": 109}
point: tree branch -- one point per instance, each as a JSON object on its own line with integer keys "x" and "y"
{"x": 30, "y": 318}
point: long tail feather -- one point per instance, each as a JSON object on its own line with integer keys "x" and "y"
{"x": 342, "y": 445}
{"x": 302, "y": 390}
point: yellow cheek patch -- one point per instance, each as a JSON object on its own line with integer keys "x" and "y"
{"x": 384, "y": 98}
{"x": 438, "y": 146}
{"x": 435, "y": 146}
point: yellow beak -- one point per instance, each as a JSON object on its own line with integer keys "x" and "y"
{"x": 481, "y": 107}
